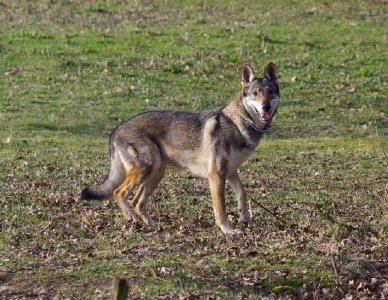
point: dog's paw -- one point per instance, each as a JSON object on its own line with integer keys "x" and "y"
{"x": 133, "y": 220}
{"x": 236, "y": 231}
{"x": 130, "y": 217}
{"x": 145, "y": 217}
{"x": 227, "y": 229}
{"x": 245, "y": 218}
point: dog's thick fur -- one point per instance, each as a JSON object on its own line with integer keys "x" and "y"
{"x": 210, "y": 144}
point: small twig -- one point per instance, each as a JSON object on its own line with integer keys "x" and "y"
{"x": 270, "y": 212}
{"x": 183, "y": 289}
{"x": 334, "y": 264}
{"x": 317, "y": 290}
{"x": 378, "y": 134}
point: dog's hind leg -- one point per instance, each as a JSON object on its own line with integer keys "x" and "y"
{"x": 139, "y": 202}
{"x": 121, "y": 194}
{"x": 235, "y": 183}
{"x": 142, "y": 163}
{"x": 134, "y": 178}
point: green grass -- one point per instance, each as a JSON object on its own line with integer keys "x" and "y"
{"x": 70, "y": 72}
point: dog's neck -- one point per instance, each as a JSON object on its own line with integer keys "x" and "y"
{"x": 264, "y": 129}
{"x": 238, "y": 113}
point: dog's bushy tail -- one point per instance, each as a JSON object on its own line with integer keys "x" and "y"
{"x": 97, "y": 192}
{"x": 105, "y": 189}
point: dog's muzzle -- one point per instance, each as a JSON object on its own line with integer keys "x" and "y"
{"x": 265, "y": 117}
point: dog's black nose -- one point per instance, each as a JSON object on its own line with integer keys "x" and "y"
{"x": 267, "y": 106}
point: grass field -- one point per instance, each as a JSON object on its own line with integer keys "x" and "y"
{"x": 70, "y": 71}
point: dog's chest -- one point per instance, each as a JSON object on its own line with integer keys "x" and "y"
{"x": 238, "y": 156}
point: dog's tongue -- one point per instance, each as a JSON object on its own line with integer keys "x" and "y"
{"x": 265, "y": 116}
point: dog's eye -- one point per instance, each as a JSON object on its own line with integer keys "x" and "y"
{"x": 254, "y": 93}
{"x": 270, "y": 92}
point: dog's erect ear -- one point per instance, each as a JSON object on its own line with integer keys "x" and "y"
{"x": 247, "y": 76}
{"x": 270, "y": 72}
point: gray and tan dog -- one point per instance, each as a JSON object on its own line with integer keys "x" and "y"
{"x": 210, "y": 144}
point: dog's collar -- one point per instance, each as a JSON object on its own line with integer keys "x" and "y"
{"x": 266, "y": 129}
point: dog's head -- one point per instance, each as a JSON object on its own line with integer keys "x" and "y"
{"x": 260, "y": 95}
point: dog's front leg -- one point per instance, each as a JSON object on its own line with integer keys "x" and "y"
{"x": 217, "y": 189}
{"x": 235, "y": 183}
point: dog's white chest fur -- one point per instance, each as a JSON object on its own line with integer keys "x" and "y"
{"x": 237, "y": 157}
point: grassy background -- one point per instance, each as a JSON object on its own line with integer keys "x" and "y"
{"x": 71, "y": 71}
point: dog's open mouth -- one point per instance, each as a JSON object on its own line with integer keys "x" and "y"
{"x": 264, "y": 117}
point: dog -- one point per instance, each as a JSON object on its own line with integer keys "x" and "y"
{"x": 210, "y": 144}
